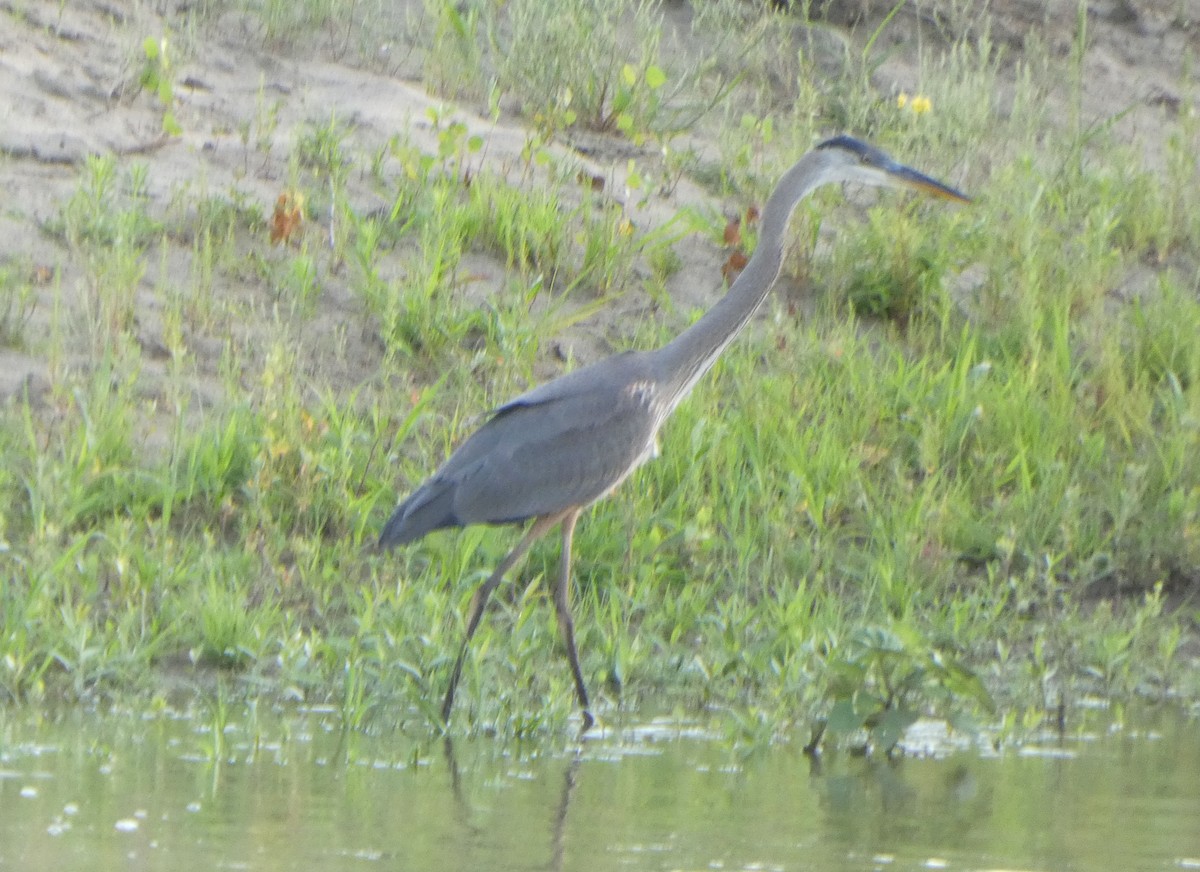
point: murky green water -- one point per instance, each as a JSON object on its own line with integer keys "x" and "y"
{"x": 122, "y": 792}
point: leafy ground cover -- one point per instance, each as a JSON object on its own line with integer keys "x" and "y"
{"x": 265, "y": 263}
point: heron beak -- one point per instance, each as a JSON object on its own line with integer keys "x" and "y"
{"x": 906, "y": 177}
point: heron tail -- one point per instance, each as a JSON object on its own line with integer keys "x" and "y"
{"x": 429, "y": 508}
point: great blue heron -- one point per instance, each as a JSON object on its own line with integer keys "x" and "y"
{"x": 551, "y": 452}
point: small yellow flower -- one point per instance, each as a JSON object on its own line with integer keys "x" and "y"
{"x": 915, "y": 103}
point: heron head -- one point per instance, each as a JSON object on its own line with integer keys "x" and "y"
{"x": 852, "y": 160}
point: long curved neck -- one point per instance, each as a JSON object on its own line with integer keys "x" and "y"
{"x": 692, "y": 353}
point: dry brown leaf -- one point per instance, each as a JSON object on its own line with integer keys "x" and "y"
{"x": 289, "y": 215}
{"x": 734, "y": 264}
{"x": 733, "y": 232}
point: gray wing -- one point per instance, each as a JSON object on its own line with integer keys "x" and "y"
{"x": 565, "y": 443}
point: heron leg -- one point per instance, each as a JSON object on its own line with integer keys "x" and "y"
{"x": 562, "y": 602}
{"x": 484, "y": 592}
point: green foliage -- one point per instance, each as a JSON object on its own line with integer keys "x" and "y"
{"x": 157, "y": 78}
{"x": 454, "y": 68}
{"x": 592, "y": 74}
{"x": 898, "y": 271}
{"x": 225, "y": 624}
{"x": 107, "y": 211}
{"x": 882, "y": 680}
{"x": 980, "y": 440}
{"x": 17, "y": 302}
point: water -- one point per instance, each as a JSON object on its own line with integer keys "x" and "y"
{"x": 88, "y": 791}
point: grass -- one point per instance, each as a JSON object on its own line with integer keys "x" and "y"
{"x": 967, "y": 484}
